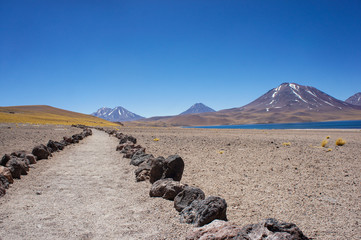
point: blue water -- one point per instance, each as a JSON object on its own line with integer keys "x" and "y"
{"x": 356, "y": 124}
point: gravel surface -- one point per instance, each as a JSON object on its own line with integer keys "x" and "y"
{"x": 303, "y": 183}
{"x": 86, "y": 192}
{"x": 15, "y": 137}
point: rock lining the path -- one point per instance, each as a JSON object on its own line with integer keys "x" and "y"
{"x": 166, "y": 188}
{"x": 201, "y": 212}
{"x": 18, "y": 163}
{"x": 187, "y": 196}
{"x": 165, "y": 176}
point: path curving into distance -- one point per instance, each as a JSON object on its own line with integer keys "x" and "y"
{"x": 87, "y": 191}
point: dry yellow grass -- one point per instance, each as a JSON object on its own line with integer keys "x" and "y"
{"x": 49, "y": 115}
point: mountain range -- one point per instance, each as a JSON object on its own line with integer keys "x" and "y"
{"x": 289, "y": 102}
{"x": 120, "y": 114}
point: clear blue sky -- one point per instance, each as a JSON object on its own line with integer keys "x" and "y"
{"x": 161, "y": 57}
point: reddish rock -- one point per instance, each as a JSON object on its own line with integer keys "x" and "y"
{"x": 216, "y": 230}
{"x": 166, "y": 188}
{"x": 6, "y": 172}
{"x": 41, "y": 152}
{"x": 31, "y": 158}
{"x": 271, "y": 229}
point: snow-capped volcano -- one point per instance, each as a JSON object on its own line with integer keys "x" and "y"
{"x": 197, "y": 108}
{"x": 291, "y": 96}
{"x": 355, "y": 99}
{"x": 117, "y": 114}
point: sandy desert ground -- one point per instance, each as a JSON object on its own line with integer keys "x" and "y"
{"x": 22, "y": 136}
{"x": 258, "y": 176}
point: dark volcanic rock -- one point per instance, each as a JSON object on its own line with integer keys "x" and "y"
{"x": 174, "y": 167}
{"x": 68, "y": 140}
{"x": 166, "y": 188}
{"x": 16, "y": 168}
{"x": 55, "y": 146}
{"x": 2, "y": 191}
{"x": 4, "y": 182}
{"x": 126, "y": 138}
{"x": 41, "y": 152}
{"x": 140, "y": 157}
{"x": 187, "y": 196}
{"x": 216, "y": 230}
{"x": 4, "y": 159}
{"x": 271, "y": 229}
{"x": 142, "y": 173}
{"x": 25, "y": 165}
{"x": 87, "y": 132}
{"x": 59, "y": 145}
{"x": 129, "y": 152}
{"x": 52, "y": 146}
{"x": 19, "y": 154}
{"x": 77, "y": 137}
{"x": 157, "y": 169}
{"x": 126, "y": 146}
{"x": 202, "y": 212}
{"x": 132, "y": 139}
{"x": 31, "y": 158}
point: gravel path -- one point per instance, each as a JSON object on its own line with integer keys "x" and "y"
{"x": 86, "y": 192}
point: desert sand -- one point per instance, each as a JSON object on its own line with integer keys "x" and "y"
{"x": 317, "y": 189}
{"x": 88, "y": 191}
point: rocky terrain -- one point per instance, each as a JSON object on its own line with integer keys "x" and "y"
{"x": 278, "y": 180}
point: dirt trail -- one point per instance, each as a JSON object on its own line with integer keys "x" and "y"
{"x": 86, "y": 192}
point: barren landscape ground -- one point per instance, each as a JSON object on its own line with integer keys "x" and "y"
{"x": 88, "y": 191}
{"x": 259, "y": 177}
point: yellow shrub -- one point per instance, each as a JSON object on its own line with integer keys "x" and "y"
{"x": 340, "y": 142}
{"x": 324, "y": 142}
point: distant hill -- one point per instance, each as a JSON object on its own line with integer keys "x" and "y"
{"x": 117, "y": 114}
{"x": 197, "y": 108}
{"x": 355, "y": 99}
{"x": 42, "y": 114}
{"x": 289, "y": 102}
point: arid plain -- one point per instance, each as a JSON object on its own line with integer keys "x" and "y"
{"x": 317, "y": 188}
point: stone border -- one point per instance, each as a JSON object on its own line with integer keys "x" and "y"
{"x": 208, "y": 214}
{"x": 19, "y": 163}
